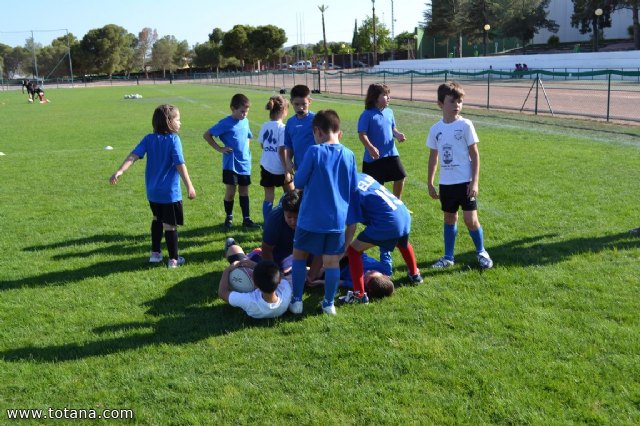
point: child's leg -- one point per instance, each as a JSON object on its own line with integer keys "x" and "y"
{"x": 298, "y": 273}
{"x": 398, "y": 187}
{"x": 409, "y": 257}
{"x": 171, "y": 238}
{"x": 450, "y": 232}
{"x": 356, "y": 268}
{"x": 229, "y": 195}
{"x": 475, "y": 230}
{"x": 156, "y": 235}
{"x": 331, "y": 264}
{"x": 244, "y": 201}
{"x": 267, "y": 204}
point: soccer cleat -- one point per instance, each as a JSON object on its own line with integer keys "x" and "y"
{"x": 174, "y": 263}
{"x": 351, "y": 298}
{"x": 416, "y": 279}
{"x": 295, "y": 307}
{"x": 443, "y": 262}
{"x": 484, "y": 260}
{"x": 155, "y": 257}
{"x": 328, "y": 309}
{"x": 228, "y": 222}
{"x": 248, "y": 223}
{"x": 228, "y": 243}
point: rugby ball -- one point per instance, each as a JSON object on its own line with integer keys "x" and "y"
{"x": 240, "y": 280}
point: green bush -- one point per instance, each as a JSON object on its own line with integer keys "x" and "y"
{"x": 553, "y": 41}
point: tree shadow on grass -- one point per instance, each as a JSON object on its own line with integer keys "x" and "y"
{"x": 183, "y": 315}
{"x": 543, "y": 250}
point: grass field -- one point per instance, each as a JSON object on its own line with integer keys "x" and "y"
{"x": 551, "y": 335}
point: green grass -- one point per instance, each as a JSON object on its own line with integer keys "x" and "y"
{"x": 551, "y": 335}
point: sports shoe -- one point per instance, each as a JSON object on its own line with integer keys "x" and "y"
{"x": 295, "y": 307}
{"x": 443, "y": 262}
{"x": 484, "y": 260}
{"x": 228, "y": 243}
{"x": 351, "y": 298}
{"x": 228, "y": 222}
{"x": 328, "y": 309}
{"x": 248, "y": 223}
{"x": 155, "y": 257}
{"x": 174, "y": 263}
{"x": 416, "y": 279}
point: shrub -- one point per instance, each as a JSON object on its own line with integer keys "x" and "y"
{"x": 553, "y": 41}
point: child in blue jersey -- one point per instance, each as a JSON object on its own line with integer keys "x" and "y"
{"x": 298, "y": 132}
{"x": 165, "y": 167}
{"x": 272, "y": 167}
{"x": 235, "y": 134}
{"x": 376, "y": 130}
{"x": 328, "y": 177}
{"x": 388, "y": 223}
{"x": 454, "y": 143}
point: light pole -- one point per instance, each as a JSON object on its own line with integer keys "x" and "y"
{"x": 596, "y": 33}
{"x": 486, "y": 28}
{"x": 373, "y": 8}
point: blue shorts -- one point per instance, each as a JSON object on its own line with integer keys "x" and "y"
{"x": 317, "y": 243}
{"x": 387, "y": 245}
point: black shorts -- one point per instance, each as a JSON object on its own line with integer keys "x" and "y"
{"x": 385, "y": 169}
{"x": 268, "y": 179}
{"x": 452, "y": 197}
{"x": 232, "y": 178}
{"x": 169, "y": 213}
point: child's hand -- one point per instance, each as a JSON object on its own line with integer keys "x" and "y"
{"x": 225, "y": 150}
{"x": 192, "y": 192}
{"x": 472, "y": 190}
{"x": 432, "y": 192}
{"x": 401, "y": 137}
{"x": 373, "y": 152}
{"x": 114, "y": 177}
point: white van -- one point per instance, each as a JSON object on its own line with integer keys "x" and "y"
{"x": 302, "y": 65}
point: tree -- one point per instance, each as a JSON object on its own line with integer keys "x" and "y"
{"x": 354, "y": 39}
{"x": 524, "y": 20}
{"x": 235, "y": 43}
{"x": 442, "y": 20}
{"x": 634, "y": 5}
{"x": 322, "y": 9}
{"x": 207, "y": 55}
{"x": 166, "y": 54}
{"x": 584, "y": 17}
{"x": 364, "y": 37}
{"x": 106, "y": 49}
{"x": 216, "y": 36}
{"x": 146, "y": 39}
{"x": 265, "y": 42}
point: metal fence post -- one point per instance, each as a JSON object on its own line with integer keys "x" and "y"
{"x": 341, "y": 82}
{"x": 608, "y": 95}
{"x": 537, "y": 85}
{"x": 411, "y": 88}
{"x": 489, "y": 84}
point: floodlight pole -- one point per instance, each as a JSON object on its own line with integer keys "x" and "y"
{"x": 35, "y": 60}
{"x": 69, "y": 51}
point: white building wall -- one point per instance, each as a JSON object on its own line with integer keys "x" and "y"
{"x": 561, "y": 11}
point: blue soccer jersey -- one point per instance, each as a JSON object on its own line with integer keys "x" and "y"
{"x": 378, "y": 125}
{"x": 234, "y": 134}
{"x": 278, "y": 234}
{"x": 385, "y": 216}
{"x": 164, "y": 153}
{"x": 328, "y": 177}
{"x": 298, "y": 136}
{"x": 384, "y": 266}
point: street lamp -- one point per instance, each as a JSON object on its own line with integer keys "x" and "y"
{"x": 486, "y": 28}
{"x": 373, "y": 7}
{"x": 598, "y": 12}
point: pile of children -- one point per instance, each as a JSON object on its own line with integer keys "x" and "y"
{"x": 305, "y": 156}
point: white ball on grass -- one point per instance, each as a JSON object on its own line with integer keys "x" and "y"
{"x": 240, "y": 280}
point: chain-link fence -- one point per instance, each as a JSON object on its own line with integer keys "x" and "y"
{"x": 612, "y": 95}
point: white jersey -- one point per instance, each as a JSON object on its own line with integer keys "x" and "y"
{"x": 256, "y": 307}
{"x": 271, "y": 137}
{"x": 452, "y": 140}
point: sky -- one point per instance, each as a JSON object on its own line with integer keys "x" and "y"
{"x": 193, "y": 20}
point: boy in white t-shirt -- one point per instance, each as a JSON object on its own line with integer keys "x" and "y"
{"x": 453, "y": 141}
{"x": 273, "y": 293}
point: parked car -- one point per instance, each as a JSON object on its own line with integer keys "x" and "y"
{"x": 330, "y": 66}
{"x": 360, "y": 64}
{"x": 302, "y": 65}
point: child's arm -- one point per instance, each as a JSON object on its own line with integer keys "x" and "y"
{"x": 398, "y": 135}
{"x": 373, "y": 151}
{"x": 474, "y": 155}
{"x": 184, "y": 174}
{"x": 286, "y": 156}
{"x": 211, "y": 141}
{"x": 223, "y": 287}
{"x": 431, "y": 173}
{"x": 131, "y": 158}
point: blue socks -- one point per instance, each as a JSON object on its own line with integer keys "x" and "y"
{"x": 478, "y": 239}
{"x": 450, "y": 232}
{"x": 298, "y": 275}
{"x": 331, "y": 283}
{"x": 267, "y": 206}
